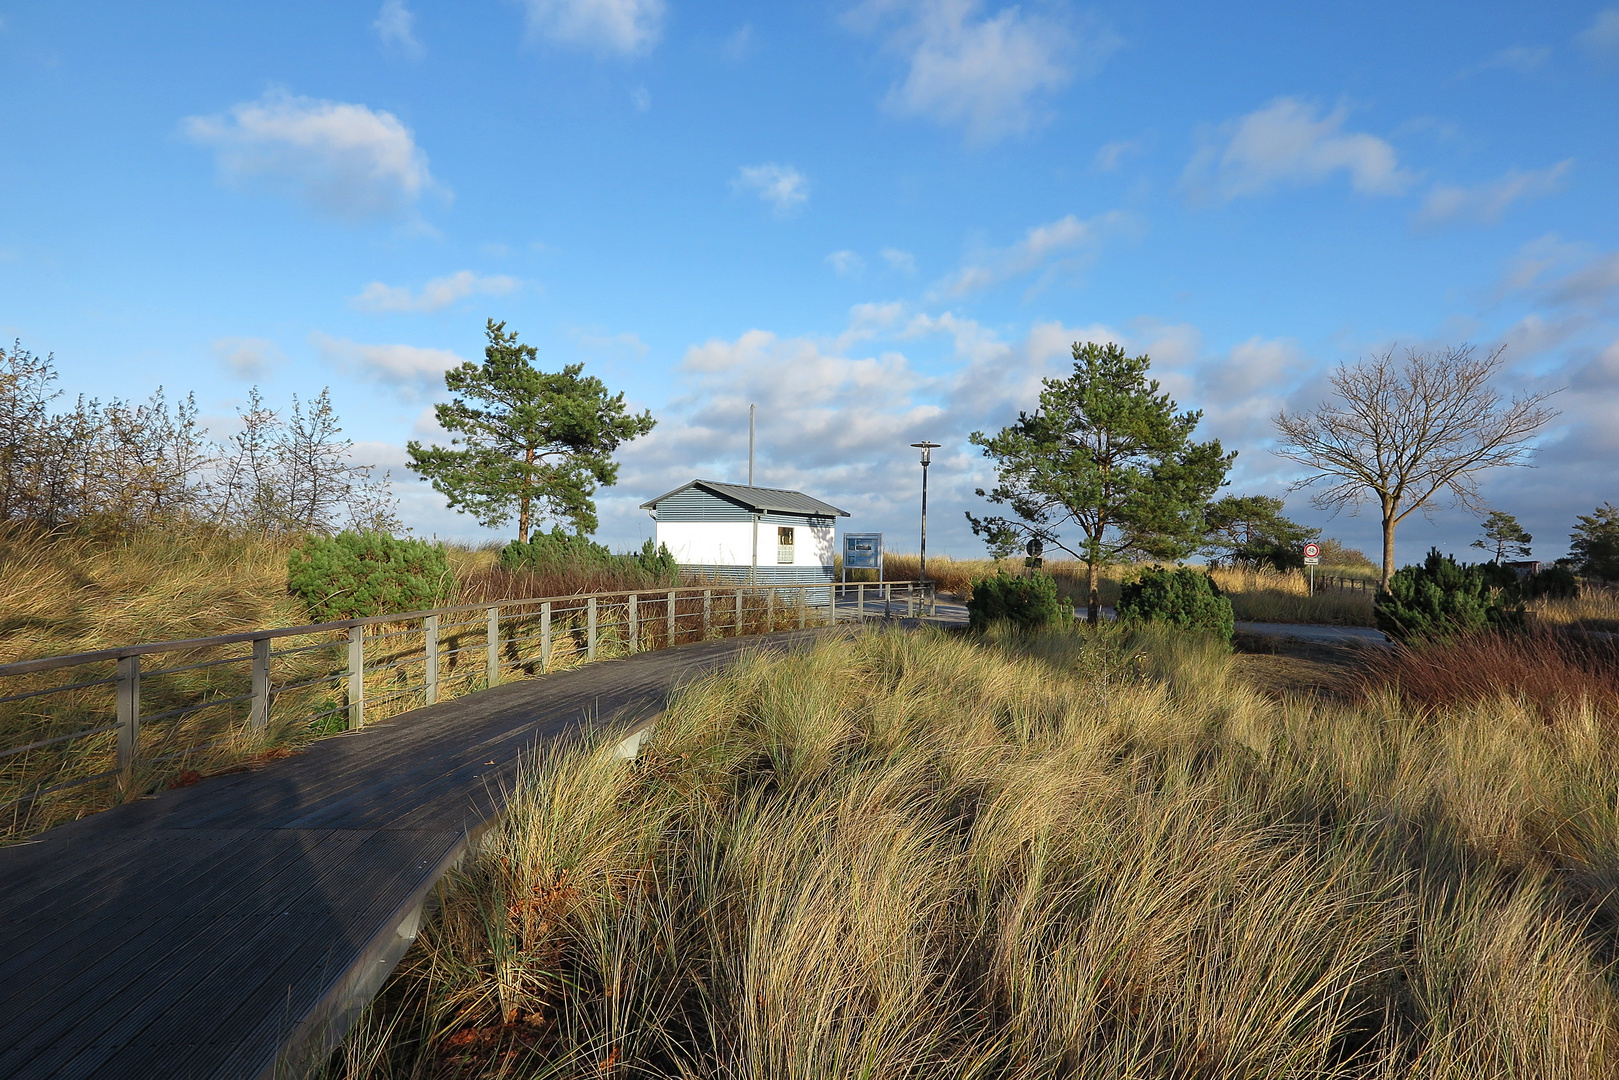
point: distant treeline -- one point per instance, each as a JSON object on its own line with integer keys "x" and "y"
{"x": 117, "y": 464}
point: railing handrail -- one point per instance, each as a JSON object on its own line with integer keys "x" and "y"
{"x": 50, "y": 663}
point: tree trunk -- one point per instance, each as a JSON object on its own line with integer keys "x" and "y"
{"x": 1093, "y": 591}
{"x": 1388, "y": 548}
{"x": 522, "y": 519}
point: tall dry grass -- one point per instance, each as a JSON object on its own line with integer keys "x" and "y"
{"x": 1596, "y": 608}
{"x": 62, "y": 594}
{"x": 1265, "y": 595}
{"x": 1068, "y": 856}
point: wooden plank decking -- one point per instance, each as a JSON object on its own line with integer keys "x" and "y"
{"x": 232, "y": 928}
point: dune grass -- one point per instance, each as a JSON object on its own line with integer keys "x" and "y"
{"x": 1263, "y": 595}
{"x": 1093, "y": 854}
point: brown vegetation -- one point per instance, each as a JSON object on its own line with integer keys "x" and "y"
{"x": 1072, "y": 855}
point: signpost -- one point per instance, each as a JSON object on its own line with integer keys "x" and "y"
{"x": 1312, "y": 559}
{"x": 862, "y": 551}
{"x": 1034, "y": 548}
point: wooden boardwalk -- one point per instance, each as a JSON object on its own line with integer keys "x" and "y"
{"x": 233, "y": 928}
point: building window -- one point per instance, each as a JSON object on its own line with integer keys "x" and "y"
{"x": 784, "y": 544}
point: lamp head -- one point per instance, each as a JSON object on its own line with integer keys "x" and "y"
{"x": 927, "y": 449}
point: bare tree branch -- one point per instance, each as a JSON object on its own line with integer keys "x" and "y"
{"x": 1409, "y": 435}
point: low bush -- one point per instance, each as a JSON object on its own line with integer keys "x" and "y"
{"x": 1442, "y": 598}
{"x": 1183, "y": 597}
{"x": 1027, "y": 603}
{"x": 569, "y": 556}
{"x": 353, "y": 575}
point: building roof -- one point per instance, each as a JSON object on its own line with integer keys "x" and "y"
{"x": 758, "y": 500}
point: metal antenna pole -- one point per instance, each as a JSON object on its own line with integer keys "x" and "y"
{"x": 927, "y": 449}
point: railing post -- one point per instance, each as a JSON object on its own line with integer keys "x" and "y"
{"x": 738, "y": 631}
{"x": 258, "y": 709}
{"x": 933, "y": 599}
{"x": 860, "y": 602}
{"x": 770, "y": 611}
{"x": 708, "y": 613}
{"x": 910, "y": 600}
{"x": 129, "y": 719}
{"x": 590, "y": 628}
{"x": 430, "y": 632}
{"x": 674, "y": 623}
{"x": 803, "y": 606}
{"x": 545, "y": 636}
{"x": 492, "y": 638}
{"x": 356, "y": 678}
{"x": 635, "y": 622}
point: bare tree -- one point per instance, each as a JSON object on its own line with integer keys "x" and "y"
{"x": 1410, "y": 434}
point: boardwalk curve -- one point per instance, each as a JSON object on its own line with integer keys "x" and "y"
{"x": 232, "y": 928}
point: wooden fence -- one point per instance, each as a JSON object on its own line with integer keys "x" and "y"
{"x": 135, "y": 718}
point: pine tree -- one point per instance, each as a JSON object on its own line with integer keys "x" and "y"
{"x": 1108, "y": 456}
{"x": 1503, "y": 535}
{"x": 537, "y": 444}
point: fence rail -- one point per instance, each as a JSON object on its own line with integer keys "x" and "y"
{"x": 140, "y": 715}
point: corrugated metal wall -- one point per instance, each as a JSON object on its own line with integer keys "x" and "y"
{"x": 694, "y": 504}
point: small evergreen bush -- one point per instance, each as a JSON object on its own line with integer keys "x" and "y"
{"x": 356, "y": 574}
{"x": 1183, "y": 597}
{"x": 559, "y": 553}
{"x": 1441, "y": 598}
{"x": 1553, "y": 583}
{"x": 555, "y": 551}
{"x": 1028, "y": 603}
{"x": 657, "y": 563}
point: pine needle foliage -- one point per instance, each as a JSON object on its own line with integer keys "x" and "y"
{"x": 354, "y": 575}
{"x": 1183, "y": 597}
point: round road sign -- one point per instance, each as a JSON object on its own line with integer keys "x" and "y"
{"x": 1312, "y": 551}
{"x": 1034, "y": 548}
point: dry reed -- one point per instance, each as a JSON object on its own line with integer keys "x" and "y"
{"x": 1073, "y": 855}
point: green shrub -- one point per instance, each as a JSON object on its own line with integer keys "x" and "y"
{"x": 356, "y": 574}
{"x": 1028, "y": 603}
{"x": 564, "y": 553}
{"x": 1442, "y": 597}
{"x": 657, "y": 563}
{"x": 556, "y": 551}
{"x": 1553, "y": 583}
{"x": 1184, "y": 597}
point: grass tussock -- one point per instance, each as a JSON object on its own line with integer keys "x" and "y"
{"x": 1596, "y": 608}
{"x": 1265, "y": 595}
{"x": 1093, "y": 855}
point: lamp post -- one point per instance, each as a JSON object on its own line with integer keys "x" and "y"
{"x": 927, "y": 449}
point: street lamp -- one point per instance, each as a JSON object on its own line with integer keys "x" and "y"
{"x": 927, "y": 449}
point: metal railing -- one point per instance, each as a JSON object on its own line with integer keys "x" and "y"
{"x": 149, "y": 711}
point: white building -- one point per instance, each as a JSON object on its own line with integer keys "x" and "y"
{"x": 735, "y": 532}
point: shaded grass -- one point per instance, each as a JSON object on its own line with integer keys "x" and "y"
{"x": 1071, "y": 855}
{"x": 61, "y": 595}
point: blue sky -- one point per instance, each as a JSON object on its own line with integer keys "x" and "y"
{"x": 879, "y": 221}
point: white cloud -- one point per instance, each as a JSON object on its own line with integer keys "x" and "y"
{"x": 641, "y": 98}
{"x": 627, "y": 27}
{"x": 986, "y": 72}
{"x": 1110, "y": 156}
{"x": 1039, "y": 245}
{"x": 1485, "y": 203}
{"x": 902, "y": 261}
{"x": 625, "y": 341}
{"x": 1601, "y": 38}
{"x": 436, "y": 295}
{"x": 1289, "y": 143}
{"x": 847, "y": 263}
{"x": 396, "y": 29}
{"x": 1520, "y": 58}
{"x": 346, "y": 160}
{"x": 782, "y": 186}
{"x": 411, "y": 371}
{"x": 246, "y": 357}
{"x": 739, "y": 46}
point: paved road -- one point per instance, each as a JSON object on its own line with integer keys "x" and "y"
{"x": 222, "y": 929}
